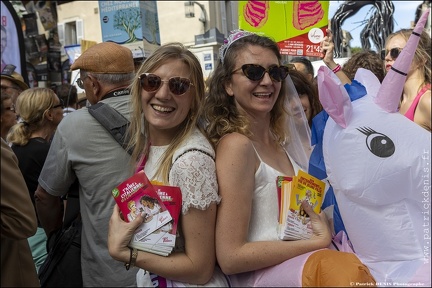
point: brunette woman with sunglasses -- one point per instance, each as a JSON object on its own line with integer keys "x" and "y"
{"x": 256, "y": 121}
{"x": 416, "y": 96}
{"x": 170, "y": 146}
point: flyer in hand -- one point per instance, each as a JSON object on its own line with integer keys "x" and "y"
{"x": 137, "y": 196}
{"x": 294, "y": 222}
{"x": 162, "y": 241}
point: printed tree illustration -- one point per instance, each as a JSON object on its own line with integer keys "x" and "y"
{"x": 128, "y": 20}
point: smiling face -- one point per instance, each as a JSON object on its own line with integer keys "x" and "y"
{"x": 163, "y": 110}
{"x": 254, "y": 97}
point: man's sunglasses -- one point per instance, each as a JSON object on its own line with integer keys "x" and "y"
{"x": 394, "y": 53}
{"x": 177, "y": 85}
{"x": 80, "y": 82}
{"x": 256, "y": 72}
{"x": 12, "y": 108}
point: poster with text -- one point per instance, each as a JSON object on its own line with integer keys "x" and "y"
{"x": 121, "y": 23}
{"x": 297, "y": 26}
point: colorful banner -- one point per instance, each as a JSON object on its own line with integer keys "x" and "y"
{"x": 297, "y": 26}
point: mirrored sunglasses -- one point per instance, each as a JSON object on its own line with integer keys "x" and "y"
{"x": 177, "y": 85}
{"x": 394, "y": 53}
{"x": 256, "y": 72}
{"x": 80, "y": 82}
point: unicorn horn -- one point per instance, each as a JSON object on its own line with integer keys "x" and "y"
{"x": 389, "y": 94}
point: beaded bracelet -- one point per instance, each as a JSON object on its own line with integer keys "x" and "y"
{"x": 336, "y": 69}
{"x": 132, "y": 259}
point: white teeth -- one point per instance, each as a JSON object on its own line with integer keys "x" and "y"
{"x": 262, "y": 95}
{"x": 162, "y": 109}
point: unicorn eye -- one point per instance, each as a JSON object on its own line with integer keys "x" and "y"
{"x": 378, "y": 143}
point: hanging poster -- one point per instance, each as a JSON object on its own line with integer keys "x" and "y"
{"x": 297, "y": 26}
{"x": 12, "y": 39}
{"x": 132, "y": 24}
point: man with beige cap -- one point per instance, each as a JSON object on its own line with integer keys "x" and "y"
{"x": 12, "y": 83}
{"x": 82, "y": 149}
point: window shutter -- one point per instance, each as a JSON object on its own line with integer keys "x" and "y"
{"x": 79, "y": 31}
{"x": 61, "y": 35}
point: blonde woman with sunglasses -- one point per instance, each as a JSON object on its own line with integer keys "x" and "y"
{"x": 416, "y": 96}
{"x": 170, "y": 146}
{"x": 41, "y": 112}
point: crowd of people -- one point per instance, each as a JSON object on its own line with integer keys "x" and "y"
{"x": 223, "y": 142}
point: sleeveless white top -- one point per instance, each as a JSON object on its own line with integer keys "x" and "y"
{"x": 264, "y": 217}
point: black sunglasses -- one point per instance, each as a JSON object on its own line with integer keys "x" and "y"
{"x": 394, "y": 53}
{"x": 59, "y": 105}
{"x": 177, "y": 85}
{"x": 12, "y": 108}
{"x": 256, "y": 72}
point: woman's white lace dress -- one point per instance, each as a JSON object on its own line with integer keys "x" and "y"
{"x": 194, "y": 171}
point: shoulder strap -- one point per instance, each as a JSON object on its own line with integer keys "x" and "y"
{"x": 72, "y": 205}
{"x": 191, "y": 150}
{"x": 114, "y": 122}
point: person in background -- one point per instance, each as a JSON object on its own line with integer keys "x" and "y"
{"x": 18, "y": 222}
{"x": 308, "y": 95}
{"x": 41, "y": 111}
{"x": 13, "y": 84}
{"x": 251, "y": 111}
{"x": 8, "y": 114}
{"x": 369, "y": 60}
{"x": 416, "y": 96}
{"x": 81, "y": 101}
{"x": 82, "y": 149}
{"x": 304, "y": 66}
{"x": 166, "y": 130}
{"x": 68, "y": 94}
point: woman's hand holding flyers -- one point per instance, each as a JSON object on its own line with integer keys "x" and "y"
{"x": 320, "y": 228}
{"x": 119, "y": 235}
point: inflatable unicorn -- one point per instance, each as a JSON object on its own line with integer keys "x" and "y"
{"x": 378, "y": 163}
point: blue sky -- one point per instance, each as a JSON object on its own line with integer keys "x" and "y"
{"x": 403, "y": 15}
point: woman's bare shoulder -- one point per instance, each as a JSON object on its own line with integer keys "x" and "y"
{"x": 234, "y": 140}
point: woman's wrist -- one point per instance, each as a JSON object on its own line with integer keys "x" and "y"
{"x": 337, "y": 68}
{"x": 332, "y": 65}
{"x": 133, "y": 255}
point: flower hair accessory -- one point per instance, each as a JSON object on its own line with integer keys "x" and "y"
{"x": 234, "y": 36}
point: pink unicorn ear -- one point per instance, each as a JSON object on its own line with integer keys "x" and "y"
{"x": 333, "y": 97}
{"x": 392, "y": 86}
